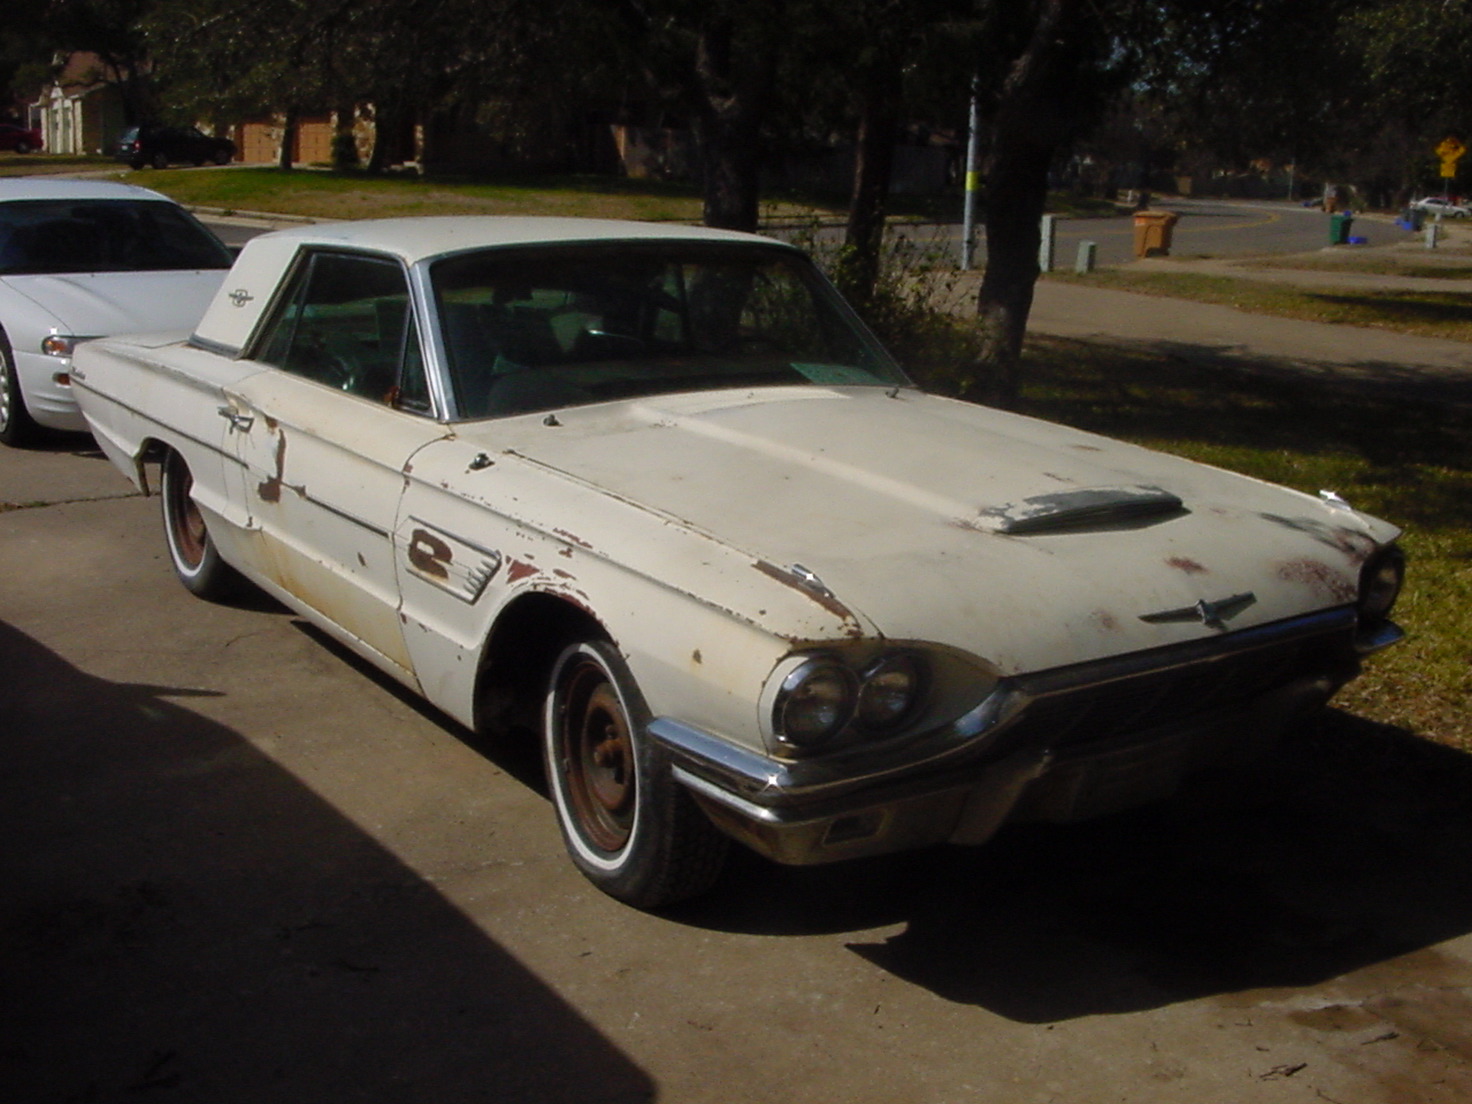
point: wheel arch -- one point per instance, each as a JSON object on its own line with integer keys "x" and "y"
{"x": 520, "y": 650}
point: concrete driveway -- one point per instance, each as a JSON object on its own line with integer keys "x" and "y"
{"x": 239, "y": 866}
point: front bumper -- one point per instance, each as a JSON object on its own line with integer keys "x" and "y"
{"x": 48, "y": 401}
{"x": 1059, "y": 746}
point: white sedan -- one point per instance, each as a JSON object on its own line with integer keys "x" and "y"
{"x": 653, "y": 496}
{"x": 1436, "y": 205}
{"x": 81, "y": 259}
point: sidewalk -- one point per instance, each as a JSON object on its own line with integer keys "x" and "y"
{"x": 1208, "y": 331}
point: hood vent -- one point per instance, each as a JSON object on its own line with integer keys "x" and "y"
{"x": 1088, "y": 507}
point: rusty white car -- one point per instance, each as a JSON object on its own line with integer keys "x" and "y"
{"x": 83, "y": 258}
{"x": 656, "y": 494}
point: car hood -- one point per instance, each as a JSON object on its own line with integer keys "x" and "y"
{"x": 918, "y": 518}
{"x": 93, "y": 304}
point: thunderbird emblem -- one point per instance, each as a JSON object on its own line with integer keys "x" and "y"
{"x": 240, "y": 297}
{"x": 1213, "y": 615}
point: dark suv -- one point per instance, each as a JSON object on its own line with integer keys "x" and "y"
{"x": 161, "y": 146}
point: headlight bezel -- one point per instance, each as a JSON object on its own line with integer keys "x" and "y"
{"x": 849, "y": 723}
{"x": 1382, "y": 578}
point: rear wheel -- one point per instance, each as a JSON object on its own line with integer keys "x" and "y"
{"x": 17, "y": 428}
{"x": 196, "y": 561}
{"x": 222, "y": 157}
{"x": 630, "y": 828}
{"x": 160, "y": 160}
{"x": 22, "y": 146}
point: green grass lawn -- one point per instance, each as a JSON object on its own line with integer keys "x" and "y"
{"x": 1404, "y": 457}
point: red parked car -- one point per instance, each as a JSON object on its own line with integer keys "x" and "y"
{"x": 20, "y": 139}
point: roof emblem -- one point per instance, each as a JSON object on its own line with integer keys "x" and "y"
{"x": 240, "y": 297}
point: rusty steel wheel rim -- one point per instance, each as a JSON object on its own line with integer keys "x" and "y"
{"x": 185, "y": 520}
{"x": 598, "y": 759}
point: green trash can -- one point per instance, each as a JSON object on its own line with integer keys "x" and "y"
{"x": 1339, "y": 224}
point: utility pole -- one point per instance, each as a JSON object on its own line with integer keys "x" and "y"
{"x": 973, "y": 183}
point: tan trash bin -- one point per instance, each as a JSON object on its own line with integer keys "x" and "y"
{"x": 1153, "y": 232}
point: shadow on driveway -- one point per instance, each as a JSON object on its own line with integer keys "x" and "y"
{"x": 1352, "y": 851}
{"x": 182, "y": 916}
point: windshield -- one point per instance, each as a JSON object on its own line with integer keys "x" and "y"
{"x": 103, "y": 235}
{"x": 529, "y": 330}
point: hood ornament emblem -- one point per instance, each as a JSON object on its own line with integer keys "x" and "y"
{"x": 1214, "y": 615}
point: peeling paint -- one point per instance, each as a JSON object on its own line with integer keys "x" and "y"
{"x": 1324, "y": 580}
{"x": 270, "y": 490}
{"x": 1105, "y": 620}
{"x": 696, "y": 658}
{"x": 572, "y": 538}
{"x": 851, "y": 626}
{"x": 1186, "y": 564}
{"x": 519, "y": 570}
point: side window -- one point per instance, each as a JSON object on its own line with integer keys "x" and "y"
{"x": 346, "y": 323}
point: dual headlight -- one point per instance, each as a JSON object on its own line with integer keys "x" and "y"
{"x": 822, "y": 696}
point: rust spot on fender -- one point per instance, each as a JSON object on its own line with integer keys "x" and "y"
{"x": 430, "y": 554}
{"x": 1321, "y": 578}
{"x": 851, "y": 627}
{"x": 572, "y": 538}
{"x": 520, "y": 569}
{"x": 1186, "y": 564}
{"x": 563, "y": 574}
{"x": 1105, "y": 620}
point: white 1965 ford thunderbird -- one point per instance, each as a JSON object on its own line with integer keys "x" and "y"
{"x": 655, "y": 493}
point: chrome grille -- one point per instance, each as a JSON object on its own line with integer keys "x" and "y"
{"x": 1138, "y": 702}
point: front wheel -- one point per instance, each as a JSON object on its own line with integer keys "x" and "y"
{"x": 17, "y": 428}
{"x": 196, "y": 561}
{"x": 630, "y": 828}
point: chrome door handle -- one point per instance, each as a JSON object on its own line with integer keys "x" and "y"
{"x": 236, "y": 419}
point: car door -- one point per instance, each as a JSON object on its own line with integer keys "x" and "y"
{"x": 324, "y": 438}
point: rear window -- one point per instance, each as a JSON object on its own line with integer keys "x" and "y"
{"x": 126, "y": 235}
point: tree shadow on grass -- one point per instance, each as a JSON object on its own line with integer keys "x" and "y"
{"x": 1412, "y": 430}
{"x": 182, "y": 916}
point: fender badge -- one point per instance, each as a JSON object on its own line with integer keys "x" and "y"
{"x": 240, "y": 297}
{"x": 1211, "y": 614}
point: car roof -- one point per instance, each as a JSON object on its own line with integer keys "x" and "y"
{"x": 265, "y": 260}
{"x": 32, "y": 187}
{"x": 417, "y": 239}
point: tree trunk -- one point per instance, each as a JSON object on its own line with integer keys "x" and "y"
{"x": 1017, "y": 188}
{"x": 879, "y": 124}
{"x": 732, "y": 96}
{"x": 1033, "y": 119}
{"x": 288, "y": 139}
